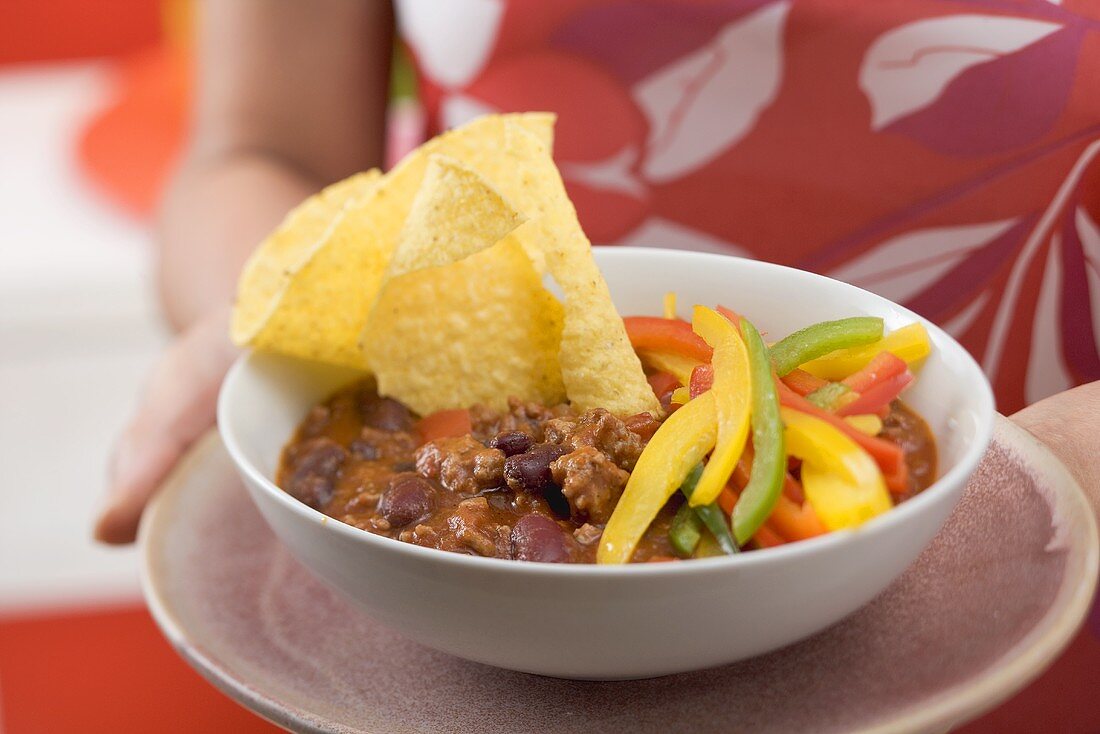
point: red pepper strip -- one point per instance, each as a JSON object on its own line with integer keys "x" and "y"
{"x": 730, "y": 314}
{"x": 702, "y": 379}
{"x": 898, "y": 482}
{"x": 727, "y": 500}
{"x": 884, "y": 366}
{"x": 792, "y": 518}
{"x": 444, "y": 424}
{"x": 666, "y": 335}
{"x": 802, "y": 382}
{"x": 662, "y": 383}
{"x": 792, "y": 490}
{"x": 887, "y": 454}
{"x": 878, "y": 397}
{"x": 767, "y": 538}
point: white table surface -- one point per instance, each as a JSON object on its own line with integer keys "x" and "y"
{"x": 78, "y": 329}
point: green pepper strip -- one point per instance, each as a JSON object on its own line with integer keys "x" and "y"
{"x": 769, "y": 461}
{"x": 825, "y": 397}
{"x": 821, "y": 339}
{"x": 711, "y": 515}
{"x": 685, "y": 531}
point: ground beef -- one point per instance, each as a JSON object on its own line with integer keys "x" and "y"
{"x": 600, "y": 430}
{"x": 474, "y": 528}
{"x": 524, "y": 417}
{"x": 462, "y": 464}
{"x": 376, "y": 443}
{"x": 591, "y": 482}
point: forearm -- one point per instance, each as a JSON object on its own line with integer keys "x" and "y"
{"x": 217, "y": 210}
{"x": 291, "y": 96}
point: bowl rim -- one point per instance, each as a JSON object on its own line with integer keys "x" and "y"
{"x": 885, "y": 523}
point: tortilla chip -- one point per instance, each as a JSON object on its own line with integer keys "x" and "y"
{"x": 312, "y": 301}
{"x": 286, "y": 250}
{"x": 599, "y": 367}
{"x": 462, "y": 317}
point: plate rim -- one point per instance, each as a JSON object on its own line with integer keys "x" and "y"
{"x": 1002, "y": 679}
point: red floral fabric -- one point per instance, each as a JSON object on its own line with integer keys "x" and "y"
{"x": 942, "y": 153}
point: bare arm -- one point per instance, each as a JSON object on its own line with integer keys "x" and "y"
{"x": 291, "y": 96}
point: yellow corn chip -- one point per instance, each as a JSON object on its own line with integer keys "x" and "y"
{"x": 461, "y": 320}
{"x": 311, "y": 299}
{"x": 271, "y": 267}
{"x": 598, "y": 365}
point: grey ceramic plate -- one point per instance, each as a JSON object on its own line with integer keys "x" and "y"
{"x": 984, "y": 610}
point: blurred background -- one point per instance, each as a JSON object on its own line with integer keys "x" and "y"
{"x": 93, "y": 112}
{"x": 94, "y": 100}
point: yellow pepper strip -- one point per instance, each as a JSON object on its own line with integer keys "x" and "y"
{"x": 680, "y": 395}
{"x": 670, "y": 305}
{"x": 676, "y": 365}
{"x": 911, "y": 343}
{"x": 841, "y": 481}
{"x": 682, "y": 441}
{"x": 868, "y": 423}
{"x": 732, "y": 391}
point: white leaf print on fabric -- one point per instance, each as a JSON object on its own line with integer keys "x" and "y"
{"x": 904, "y": 265}
{"x": 908, "y": 67}
{"x": 1089, "y": 234}
{"x": 661, "y": 232}
{"x": 991, "y": 360}
{"x": 458, "y": 109}
{"x": 610, "y": 174}
{"x": 704, "y": 102}
{"x": 452, "y": 39}
{"x": 963, "y": 319}
{"x": 1046, "y": 370}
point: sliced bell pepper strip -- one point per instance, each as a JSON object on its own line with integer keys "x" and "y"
{"x": 842, "y": 483}
{"x": 911, "y": 343}
{"x": 868, "y": 424}
{"x": 769, "y": 461}
{"x": 663, "y": 383}
{"x": 732, "y": 392}
{"x": 653, "y": 333}
{"x": 828, "y": 396}
{"x": 702, "y": 379}
{"x": 887, "y": 454}
{"x": 878, "y": 397}
{"x": 709, "y": 547}
{"x": 670, "y": 305}
{"x": 685, "y": 531}
{"x": 821, "y": 339}
{"x": 802, "y": 382}
{"x": 711, "y": 515}
{"x": 682, "y": 441}
{"x": 882, "y": 367}
{"x": 765, "y": 537}
{"x": 444, "y": 424}
{"x": 676, "y": 365}
{"x": 898, "y": 482}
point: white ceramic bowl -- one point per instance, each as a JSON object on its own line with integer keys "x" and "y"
{"x": 588, "y": 621}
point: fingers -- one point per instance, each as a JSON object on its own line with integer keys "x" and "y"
{"x": 1069, "y": 424}
{"x": 177, "y": 406}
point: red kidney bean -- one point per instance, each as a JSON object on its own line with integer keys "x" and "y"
{"x": 530, "y": 471}
{"x": 538, "y": 538}
{"x": 407, "y": 499}
{"x": 386, "y": 414}
{"x": 315, "y": 466}
{"x": 511, "y": 442}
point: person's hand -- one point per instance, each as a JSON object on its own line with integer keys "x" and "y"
{"x": 1069, "y": 424}
{"x": 176, "y": 408}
